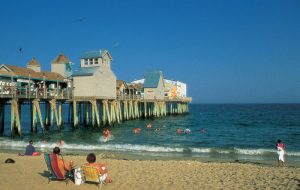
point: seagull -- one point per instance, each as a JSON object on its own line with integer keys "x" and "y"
{"x": 20, "y": 50}
{"x": 81, "y": 19}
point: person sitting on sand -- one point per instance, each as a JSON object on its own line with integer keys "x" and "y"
{"x": 179, "y": 130}
{"x": 149, "y": 126}
{"x": 280, "y": 152}
{"x": 102, "y": 168}
{"x": 63, "y": 168}
{"x": 106, "y": 134}
{"x": 137, "y": 130}
{"x": 30, "y": 150}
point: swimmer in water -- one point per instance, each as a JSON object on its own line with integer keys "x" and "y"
{"x": 202, "y": 130}
{"x": 137, "y": 130}
{"x": 187, "y": 131}
{"x": 149, "y": 126}
{"x": 106, "y": 134}
{"x": 179, "y": 130}
{"x": 60, "y": 143}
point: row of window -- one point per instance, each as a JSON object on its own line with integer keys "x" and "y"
{"x": 91, "y": 61}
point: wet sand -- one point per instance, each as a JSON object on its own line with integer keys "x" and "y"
{"x": 31, "y": 173}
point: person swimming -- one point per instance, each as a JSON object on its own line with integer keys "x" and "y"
{"x": 106, "y": 134}
{"x": 202, "y": 130}
{"x": 187, "y": 131}
{"x": 149, "y": 126}
{"x": 179, "y": 131}
{"x": 137, "y": 130}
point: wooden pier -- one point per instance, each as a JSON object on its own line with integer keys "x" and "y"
{"x": 94, "y": 96}
{"x": 87, "y": 111}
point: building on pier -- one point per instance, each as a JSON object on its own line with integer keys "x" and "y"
{"x": 154, "y": 85}
{"x": 94, "y": 78}
{"x": 121, "y": 87}
{"x": 62, "y": 65}
{"x": 31, "y": 82}
{"x": 174, "y": 89}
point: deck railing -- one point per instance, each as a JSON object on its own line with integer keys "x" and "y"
{"x": 38, "y": 93}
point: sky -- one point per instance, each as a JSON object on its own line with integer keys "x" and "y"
{"x": 227, "y": 51}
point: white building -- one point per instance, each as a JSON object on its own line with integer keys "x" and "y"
{"x": 173, "y": 89}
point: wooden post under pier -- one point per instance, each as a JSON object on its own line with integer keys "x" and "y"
{"x": 36, "y": 110}
{"x": 15, "y": 118}
{"x": 2, "y": 116}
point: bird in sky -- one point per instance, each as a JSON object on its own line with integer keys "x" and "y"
{"x": 20, "y": 50}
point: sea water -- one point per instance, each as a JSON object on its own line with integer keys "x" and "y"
{"x": 219, "y": 132}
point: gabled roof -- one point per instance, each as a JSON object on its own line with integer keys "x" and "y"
{"x": 120, "y": 82}
{"x": 95, "y": 54}
{"x": 33, "y": 62}
{"x": 85, "y": 71}
{"x": 152, "y": 79}
{"x": 136, "y": 86}
{"x": 61, "y": 59}
{"x": 26, "y": 73}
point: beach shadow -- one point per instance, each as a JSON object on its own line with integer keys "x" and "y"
{"x": 45, "y": 174}
{"x": 297, "y": 181}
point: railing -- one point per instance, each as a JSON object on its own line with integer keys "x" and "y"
{"x": 39, "y": 93}
{"x": 129, "y": 97}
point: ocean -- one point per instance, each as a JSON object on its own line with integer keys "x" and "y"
{"x": 219, "y": 132}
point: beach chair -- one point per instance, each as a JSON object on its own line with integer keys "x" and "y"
{"x": 91, "y": 174}
{"x": 54, "y": 172}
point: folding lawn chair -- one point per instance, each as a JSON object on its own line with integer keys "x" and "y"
{"x": 53, "y": 169}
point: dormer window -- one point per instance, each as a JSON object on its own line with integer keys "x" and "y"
{"x": 91, "y": 62}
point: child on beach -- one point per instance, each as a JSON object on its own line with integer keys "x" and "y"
{"x": 280, "y": 151}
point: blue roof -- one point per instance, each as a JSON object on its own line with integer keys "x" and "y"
{"x": 152, "y": 79}
{"x": 93, "y": 54}
{"x": 84, "y": 71}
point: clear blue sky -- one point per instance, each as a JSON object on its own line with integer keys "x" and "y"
{"x": 243, "y": 51}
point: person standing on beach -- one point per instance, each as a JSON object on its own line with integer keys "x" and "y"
{"x": 280, "y": 152}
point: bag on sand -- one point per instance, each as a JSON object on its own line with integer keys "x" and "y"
{"x": 78, "y": 176}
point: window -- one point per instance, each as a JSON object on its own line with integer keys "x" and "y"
{"x": 96, "y": 61}
{"x": 91, "y": 61}
{"x": 68, "y": 67}
{"x": 86, "y": 62}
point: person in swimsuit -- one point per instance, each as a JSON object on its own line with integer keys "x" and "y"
{"x": 281, "y": 153}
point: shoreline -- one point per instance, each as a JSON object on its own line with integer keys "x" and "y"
{"x": 115, "y": 155}
{"x": 30, "y": 172}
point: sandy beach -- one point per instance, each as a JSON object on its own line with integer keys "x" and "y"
{"x": 31, "y": 173}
